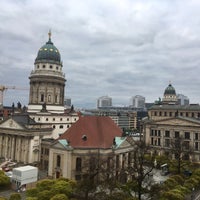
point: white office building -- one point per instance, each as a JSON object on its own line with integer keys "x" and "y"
{"x": 104, "y": 101}
{"x": 138, "y": 101}
{"x": 182, "y": 99}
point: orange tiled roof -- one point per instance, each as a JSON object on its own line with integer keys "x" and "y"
{"x": 92, "y": 132}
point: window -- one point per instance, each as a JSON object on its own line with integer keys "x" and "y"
{"x": 158, "y": 141}
{"x": 46, "y": 151}
{"x": 117, "y": 161}
{"x": 158, "y": 133}
{"x": 58, "y": 160}
{"x": 47, "y": 119}
{"x": 50, "y": 66}
{"x": 196, "y": 136}
{"x": 38, "y": 66}
{"x": 54, "y": 126}
{"x": 196, "y": 146}
{"x": 155, "y": 113}
{"x": 152, "y": 131}
{"x": 165, "y": 114}
{"x": 160, "y": 113}
{"x": 151, "y": 141}
{"x": 170, "y": 114}
{"x": 167, "y": 142}
{"x": 53, "y": 119}
{"x": 177, "y": 135}
{"x": 61, "y": 126}
{"x": 177, "y": 143}
{"x": 43, "y": 66}
{"x": 187, "y": 135}
{"x": 167, "y": 133}
{"x": 60, "y": 119}
{"x": 186, "y": 145}
{"x": 42, "y": 98}
{"x": 78, "y": 164}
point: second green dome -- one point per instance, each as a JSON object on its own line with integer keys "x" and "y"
{"x": 170, "y": 90}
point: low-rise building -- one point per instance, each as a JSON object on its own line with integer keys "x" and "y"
{"x": 20, "y": 138}
{"x": 85, "y": 144}
{"x": 169, "y": 123}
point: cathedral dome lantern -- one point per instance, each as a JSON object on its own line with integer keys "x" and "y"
{"x": 47, "y": 81}
{"x": 169, "y": 96}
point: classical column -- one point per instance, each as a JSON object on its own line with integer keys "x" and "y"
{"x": 12, "y": 147}
{"x": 1, "y": 145}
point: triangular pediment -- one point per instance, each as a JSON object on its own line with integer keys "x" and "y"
{"x": 11, "y": 124}
{"x": 178, "y": 122}
{"x": 126, "y": 143}
{"x": 59, "y": 145}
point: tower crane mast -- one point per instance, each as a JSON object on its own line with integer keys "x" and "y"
{"x": 3, "y": 88}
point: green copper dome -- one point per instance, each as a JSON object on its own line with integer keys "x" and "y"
{"x": 170, "y": 90}
{"x": 48, "y": 52}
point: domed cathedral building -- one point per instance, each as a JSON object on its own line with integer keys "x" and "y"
{"x": 47, "y": 81}
{"x": 25, "y": 137}
{"x": 169, "y": 122}
{"x": 169, "y": 96}
{"x": 47, "y": 91}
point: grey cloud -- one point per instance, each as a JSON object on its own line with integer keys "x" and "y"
{"x": 116, "y": 48}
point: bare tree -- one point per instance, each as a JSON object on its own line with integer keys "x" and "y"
{"x": 140, "y": 167}
{"x": 97, "y": 173}
{"x": 181, "y": 150}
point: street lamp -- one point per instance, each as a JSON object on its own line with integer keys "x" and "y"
{"x": 192, "y": 195}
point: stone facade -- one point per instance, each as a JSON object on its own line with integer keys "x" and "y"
{"x": 21, "y": 141}
{"x": 167, "y": 123}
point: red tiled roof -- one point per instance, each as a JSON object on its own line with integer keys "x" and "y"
{"x": 92, "y": 132}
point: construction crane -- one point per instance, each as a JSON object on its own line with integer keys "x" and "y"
{"x": 3, "y": 88}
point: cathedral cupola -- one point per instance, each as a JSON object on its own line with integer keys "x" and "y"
{"x": 47, "y": 81}
{"x": 48, "y": 52}
{"x": 169, "y": 96}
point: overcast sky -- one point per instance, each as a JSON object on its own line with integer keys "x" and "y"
{"x": 119, "y": 48}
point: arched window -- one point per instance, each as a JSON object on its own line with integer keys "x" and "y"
{"x": 42, "y": 98}
{"x": 58, "y": 160}
{"x": 78, "y": 164}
